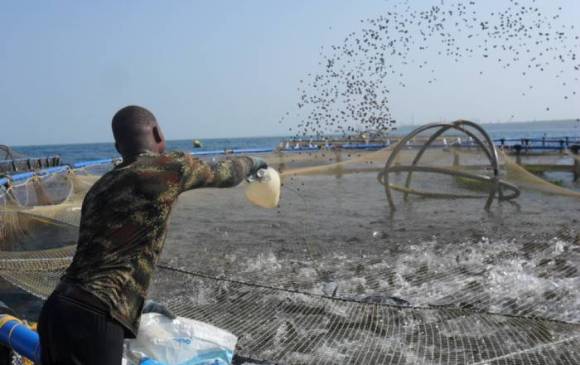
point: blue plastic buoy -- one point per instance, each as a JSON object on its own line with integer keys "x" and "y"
{"x": 19, "y": 337}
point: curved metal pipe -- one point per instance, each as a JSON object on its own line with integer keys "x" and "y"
{"x": 434, "y": 137}
{"x": 396, "y": 151}
{"x": 463, "y": 126}
{"x": 515, "y": 191}
{"x": 494, "y": 162}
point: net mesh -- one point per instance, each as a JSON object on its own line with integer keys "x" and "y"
{"x": 328, "y": 279}
{"x": 523, "y": 177}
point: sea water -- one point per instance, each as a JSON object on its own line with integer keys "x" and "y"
{"x": 94, "y": 151}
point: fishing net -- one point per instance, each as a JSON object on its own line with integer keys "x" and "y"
{"x": 525, "y": 178}
{"x": 334, "y": 275}
{"x": 12, "y": 161}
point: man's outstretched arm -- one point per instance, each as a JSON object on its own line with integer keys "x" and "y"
{"x": 221, "y": 174}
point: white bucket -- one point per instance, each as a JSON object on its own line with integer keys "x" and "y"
{"x": 264, "y": 191}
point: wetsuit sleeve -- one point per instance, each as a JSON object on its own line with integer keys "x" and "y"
{"x": 222, "y": 174}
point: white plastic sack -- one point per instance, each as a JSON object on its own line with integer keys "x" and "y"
{"x": 181, "y": 341}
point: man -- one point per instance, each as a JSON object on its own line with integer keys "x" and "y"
{"x": 122, "y": 232}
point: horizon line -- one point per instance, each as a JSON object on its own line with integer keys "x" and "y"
{"x": 290, "y": 135}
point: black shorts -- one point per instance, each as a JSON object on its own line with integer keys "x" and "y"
{"x": 73, "y": 332}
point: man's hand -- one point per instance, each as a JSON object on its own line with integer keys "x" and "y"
{"x": 258, "y": 165}
{"x": 154, "y": 307}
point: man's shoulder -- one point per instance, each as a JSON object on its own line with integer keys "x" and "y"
{"x": 167, "y": 158}
{"x": 175, "y": 154}
{"x": 148, "y": 164}
{"x": 149, "y": 169}
{"x": 177, "y": 162}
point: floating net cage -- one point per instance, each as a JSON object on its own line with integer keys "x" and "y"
{"x": 12, "y": 161}
{"x": 341, "y": 273}
{"x": 7, "y": 153}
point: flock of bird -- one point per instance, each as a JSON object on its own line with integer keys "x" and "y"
{"x": 351, "y": 92}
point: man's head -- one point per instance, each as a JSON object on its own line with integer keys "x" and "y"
{"x": 136, "y": 131}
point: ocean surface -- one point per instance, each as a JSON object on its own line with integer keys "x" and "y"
{"x": 70, "y": 153}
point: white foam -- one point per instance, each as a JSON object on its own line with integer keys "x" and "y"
{"x": 503, "y": 276}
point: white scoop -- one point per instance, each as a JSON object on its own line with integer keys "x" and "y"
{"x": 264, "y": 191}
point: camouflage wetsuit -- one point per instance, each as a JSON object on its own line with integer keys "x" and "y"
{"x": 124, "y": 221}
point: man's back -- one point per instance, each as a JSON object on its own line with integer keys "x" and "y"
{"x": 123, "y": 227}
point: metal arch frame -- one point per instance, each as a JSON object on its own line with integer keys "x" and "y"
{"x": 8, "y": 153}
{"x": 483, "y": 140}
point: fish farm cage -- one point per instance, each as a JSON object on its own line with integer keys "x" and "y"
{"x": 336, "y": 306}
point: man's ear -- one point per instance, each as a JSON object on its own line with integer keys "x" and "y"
{"x": 157, "y": 135}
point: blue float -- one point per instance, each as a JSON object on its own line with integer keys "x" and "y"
{"x": 19, "y": 337}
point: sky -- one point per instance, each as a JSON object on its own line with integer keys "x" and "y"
{"x": 215, "y": 69}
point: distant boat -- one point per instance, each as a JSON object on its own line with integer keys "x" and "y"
{"x": 197, "y": 143}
